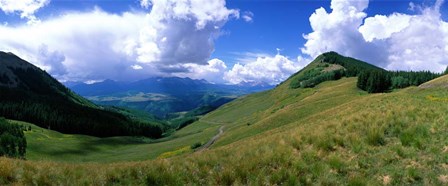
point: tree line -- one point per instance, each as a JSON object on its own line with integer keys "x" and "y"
{"x": 384, "y": 81}
{"x": 56, "y": 113}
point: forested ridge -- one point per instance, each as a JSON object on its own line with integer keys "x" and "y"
{"x": 320, "y": 70}
{"x": 40, "y": 99}
{"x": 370, "y": 78}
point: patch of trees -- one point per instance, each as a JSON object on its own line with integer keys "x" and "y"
{"x": 384, "y": 81}
{"x": 314, "y": 77}
{"x": 309, "y": 78}
{"x": 12, "y": 140}
{"x": 353, "y": 66}
{"x": 57, "y": 112}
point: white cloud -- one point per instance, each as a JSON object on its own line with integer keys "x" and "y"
{"x": 99, "y": 45}
{"x": 272, "y": 70}
{"x": 136, "y": 67}
{"x": 145, "y": 3}
{"x": 248, "y": 16}
{"x": 26, "y": 8}
{"x": 91, "y": 51}
{"x": 382, "y": 27}
{"x": 397, "y": 41}
{"x": 414, "y": 42}
{"x": 213, "y": 71}
{"x": 338, "y": 31}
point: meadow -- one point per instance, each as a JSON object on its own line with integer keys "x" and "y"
{"x": 333, "y": 134}
{"x": 48, "y": 145}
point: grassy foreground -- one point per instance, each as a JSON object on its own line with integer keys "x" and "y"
{"x": 329, "y": 135}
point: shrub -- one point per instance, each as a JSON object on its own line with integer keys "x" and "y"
{"x": 196, "y": 145}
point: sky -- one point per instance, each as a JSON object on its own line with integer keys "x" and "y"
{"x": 220, "y": 41}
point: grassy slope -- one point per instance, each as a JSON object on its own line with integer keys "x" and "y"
{"x": 331, "y": 134}
{"x": 46, "y": 145}
{"x": 265, "y": 111}
{"x": 438, "y": 82}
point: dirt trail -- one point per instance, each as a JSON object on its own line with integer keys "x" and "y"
{"x": 211, "y": 141}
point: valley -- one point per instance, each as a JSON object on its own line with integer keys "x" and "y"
{"x": 165, "y": 97}
{"x": 331, "y": 133}
{"x": 333, "y": 144}
{"x": 223, "y": 92}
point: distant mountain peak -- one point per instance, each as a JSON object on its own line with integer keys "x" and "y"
{"x": 254, "y": 84}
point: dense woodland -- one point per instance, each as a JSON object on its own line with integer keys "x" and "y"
{"x": 384, "y": 81}
{"x": 12, "y": 140}
{"x": 56, "y": 113}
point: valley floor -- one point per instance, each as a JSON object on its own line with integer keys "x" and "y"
{"x": 333, "y": 134}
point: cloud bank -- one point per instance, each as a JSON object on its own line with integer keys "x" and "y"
{"x": 133, "y": 45}
{"x": 177, "y": 38}
{"x": 395, "y": 42}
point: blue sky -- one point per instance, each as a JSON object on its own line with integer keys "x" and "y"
{"x": 225, "y": 49}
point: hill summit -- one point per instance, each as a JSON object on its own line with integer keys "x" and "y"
{"x": 329, "y": 66}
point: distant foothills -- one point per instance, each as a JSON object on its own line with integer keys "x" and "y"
{"x": 164, "y": 96}
{"x": 156, "y": 107}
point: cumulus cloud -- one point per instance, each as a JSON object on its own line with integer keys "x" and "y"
{"x": 270, "y": 69}
{"x": 414, "y": 42}
{"x": 338, "y": 31}
{"x": 99, "y": 45}
{"x": 382, "y": 27}
{"x": 213, "y": 71}
{"x": 26, "y": 8}
{"x": 397, "y": 41}
{"x": 92, "y": 45}
{"x": 145, "y": 3}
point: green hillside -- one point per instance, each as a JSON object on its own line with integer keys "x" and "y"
{"x": 441, "y": 82}
{"x": 48, "y": 145}
{"x": 331, "y": 134}
{"x": 329, "y": 66}
{"x": 347, "y": 137}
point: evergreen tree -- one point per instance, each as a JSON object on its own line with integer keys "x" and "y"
{"x": 12, "y": 140}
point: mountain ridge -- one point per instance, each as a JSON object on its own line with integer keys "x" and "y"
{"x": 37, "y": 97}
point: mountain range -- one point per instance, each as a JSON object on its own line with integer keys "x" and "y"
{"x": 163, "y": 96}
